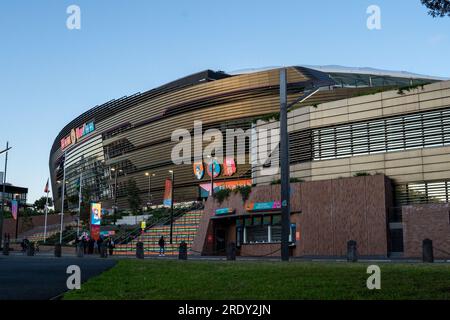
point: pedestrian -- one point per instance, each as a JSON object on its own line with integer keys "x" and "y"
{"x": 111, "y": 246}
{"x": 161, "y": 243}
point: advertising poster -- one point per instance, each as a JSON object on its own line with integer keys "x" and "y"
{"x": 168, "y": 193}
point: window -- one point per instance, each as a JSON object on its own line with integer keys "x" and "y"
{"x": 262, "y": 229}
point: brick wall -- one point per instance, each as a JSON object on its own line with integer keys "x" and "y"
{"x": 328, "y": 213}
{"x": 9, "y": 225}
{"x": 430, "y": 221}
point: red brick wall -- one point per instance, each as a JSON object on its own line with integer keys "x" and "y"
{"x": 332, "y": 213}
{"x": 426, "y": 221}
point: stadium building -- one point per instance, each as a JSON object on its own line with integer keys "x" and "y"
{"x": 370, "y": 156}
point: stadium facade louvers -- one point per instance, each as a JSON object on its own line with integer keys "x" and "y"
{"x": 365, "y": 124}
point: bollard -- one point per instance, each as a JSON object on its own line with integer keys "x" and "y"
{"x": 231, "y": 251}
{"x": 182, "y": 253}
{"x": 352, "y": 253}
{"x": 30, "y": 250}
{"x": 103, "y": 251}
{"x": 58, "y": 250}
{"x": 427, "y": 251}
{"x": 6, "y": 248}
{"x": 80, "y": 250}
{"x": 140, "y": 250}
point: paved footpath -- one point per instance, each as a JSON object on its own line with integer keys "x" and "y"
{"x": 43, "y": 277}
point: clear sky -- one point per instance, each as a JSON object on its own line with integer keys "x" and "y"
{"x": 50, "y": 74}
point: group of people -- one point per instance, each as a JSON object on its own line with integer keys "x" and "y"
{"x": 90, "y": 246}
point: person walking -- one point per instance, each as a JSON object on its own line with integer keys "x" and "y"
{"x": 161, "y": 243}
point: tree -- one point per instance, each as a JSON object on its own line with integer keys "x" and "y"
{"x": 134, "y": 200}
{"x": 437, "y": 8}
{"x": 40, "y": 203}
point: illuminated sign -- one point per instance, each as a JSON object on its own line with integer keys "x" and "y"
{"x": 263, "y": 206}
{"x": 199, "y": 170}
{"x": 229, "y": 166}
{"x": 96, "y": 214}
{"x": 77, "y": 134}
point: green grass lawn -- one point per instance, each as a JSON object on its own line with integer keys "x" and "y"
{"x": 178, "y": 280}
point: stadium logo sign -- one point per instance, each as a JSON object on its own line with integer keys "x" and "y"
{"x": 77, "y": 134}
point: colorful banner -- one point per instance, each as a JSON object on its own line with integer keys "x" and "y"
{"x": 96, "y": 214}
{"x": 95, "y": 232}
{"x": 205, "y": 188}
{"x": 168, "y": 193}
{"x": 14, "y": 208}
{"x": 263, "y": 206}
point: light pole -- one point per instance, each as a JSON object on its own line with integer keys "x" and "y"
{"x": 3, "y": 192}
{"x": 212, "y": 175}
{"x": 171, "y": 205}
{"x": 115, "y": 192}
{"x": 62, "y": 200}
{"x": 80, "y": 200}
{"x": 149, "y": 175}
{"x": 320, "y": 85}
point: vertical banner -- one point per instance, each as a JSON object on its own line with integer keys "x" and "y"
{"x": 14, "y": 208}
{"x": 168, "y": 193}
{"x": 96, "y": 219}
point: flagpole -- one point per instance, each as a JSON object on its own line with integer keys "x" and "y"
{"x": 62, "y": 200}
{"x": 46, "y": 215}
{"x": 80, "y": 199}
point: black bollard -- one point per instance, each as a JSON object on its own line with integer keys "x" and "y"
{"x": 6, "y": 248}
{"x": 140, "y": 250}
{"x": 352, "y": 253}
{"x": 103, "y": 251}
{"x": 30, "y": 250}
{"x": 80, "y": 249}
{"x": 58, "y": 250}
{"x": 231, "y": 251}
{"x": 427, "y": 251}
{"x": 182, "y": 253}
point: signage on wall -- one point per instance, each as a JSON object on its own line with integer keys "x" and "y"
{"x": 217, "y": 168}
{"x": 224, "y": 211}
{"x": 205, "y": 188}
{"x": 263, "y": 206}
{"x": 77, "y": 134}
{"x": 199, "y": 170}
{"x": 229, "y": 166}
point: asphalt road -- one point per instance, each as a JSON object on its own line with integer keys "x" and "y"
{"x": 43, "y": 278}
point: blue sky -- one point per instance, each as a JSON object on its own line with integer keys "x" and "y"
{"x": 49, "y": 74}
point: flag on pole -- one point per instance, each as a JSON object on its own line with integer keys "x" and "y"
{"x": 46, "y": 189}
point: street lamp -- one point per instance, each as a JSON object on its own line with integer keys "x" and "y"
{"x": 149, "y": 175}
{"x": 212, "y": 175}
{"x": 319, "y": 85}
{"x": 115, "y": 170}
{"x": 171, "y": 205}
